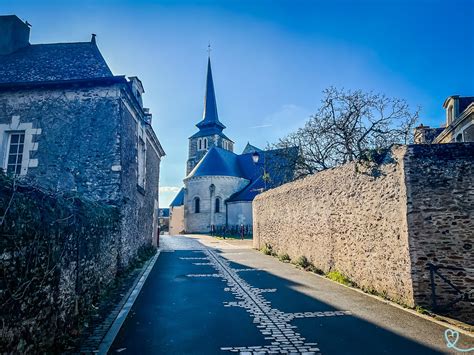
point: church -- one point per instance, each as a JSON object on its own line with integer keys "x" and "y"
{"x": 220, "y": 185}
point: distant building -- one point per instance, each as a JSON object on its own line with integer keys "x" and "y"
{"x": 459, "y": 123}
{"x": 164, "y": 219}
{"x": 221, "y": 185}
{"x": 177, "y": 214}
{"x": 68, "y": 124}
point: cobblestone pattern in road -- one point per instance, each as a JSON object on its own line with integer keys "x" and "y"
{"x": 272, "y": 323}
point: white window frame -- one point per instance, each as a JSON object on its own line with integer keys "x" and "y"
{"x": 28, "y": 146}
{"x": 8, "y": 150}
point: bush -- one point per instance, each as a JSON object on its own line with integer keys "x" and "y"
{"x": 339, "y": 277}
{"x": 303, "y": 262}
{"x": 284, "y": 257}
{"x": 267, "y": 249}
{"x": 316, "y": 270}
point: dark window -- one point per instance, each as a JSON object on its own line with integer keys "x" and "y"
{"x": 197, "y": 205}
{"x": 218, "y": 205}
{"x": 15, "y": 152}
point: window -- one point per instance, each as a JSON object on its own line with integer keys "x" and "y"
{"x": 197, "y": 205}
{"x": 15, "y": 152}
{"x": 450, "y": 114}
{"x": 205, "y": 143}
{"x": 218, "y": 205}
{"x": 199, "y": 144}
{"x": 141, "y": 163}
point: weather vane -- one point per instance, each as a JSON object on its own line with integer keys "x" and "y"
{"x": 209, "y": 49}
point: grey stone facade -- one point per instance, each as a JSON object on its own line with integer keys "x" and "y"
{"x": 87, "y": 142}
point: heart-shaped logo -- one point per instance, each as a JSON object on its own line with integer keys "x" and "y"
{"x": 452, "y": 336}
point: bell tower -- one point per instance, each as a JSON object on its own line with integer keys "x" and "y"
{"x": 210, "y": 128}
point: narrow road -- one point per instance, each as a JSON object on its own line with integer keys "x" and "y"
{"x": 206, "y": 296}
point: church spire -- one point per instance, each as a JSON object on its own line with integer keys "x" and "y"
{"x": 210, "y": 118}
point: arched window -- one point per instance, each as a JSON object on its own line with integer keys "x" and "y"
{"x": 218, "y": 205}
{"x": 197, "y": 205}
{"x": 205, "y": 143}
{"x": 199, "y": 144}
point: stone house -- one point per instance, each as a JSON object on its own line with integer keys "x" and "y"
{"x": 68, "y": 124}
{"x": 220, "y": 185}
{"x": 459, "y": 123}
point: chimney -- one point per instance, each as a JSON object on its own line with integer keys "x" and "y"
{"x": 14, "y": 34}
{"x": 420, "y": 134}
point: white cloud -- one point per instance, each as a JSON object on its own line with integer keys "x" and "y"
{"x": 169, "y": 189}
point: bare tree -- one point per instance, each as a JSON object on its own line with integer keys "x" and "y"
{"x": 348, "y": 126}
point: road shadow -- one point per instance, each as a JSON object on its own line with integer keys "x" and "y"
{"x": 183, "y": 308}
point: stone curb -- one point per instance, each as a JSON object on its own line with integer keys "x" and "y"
{"x": 391, "y": 303}
{"x": 120, "y": 314}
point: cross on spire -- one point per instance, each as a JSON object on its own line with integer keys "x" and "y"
{"x": 209, "y": 50}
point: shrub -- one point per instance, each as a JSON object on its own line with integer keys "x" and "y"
{"x": 284, "y": 257}
{"x": 267, "y": 249}
{"x": 316, "y": 270}
{"x": 303, "y": 262}
{"x": 339, "y": 277}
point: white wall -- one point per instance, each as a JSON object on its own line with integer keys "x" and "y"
{"x": 239, "y": 213}
{"x": 225, "y": 186}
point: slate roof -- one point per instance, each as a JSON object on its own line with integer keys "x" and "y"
{"x": 53, "y": 62}
{"x": 179, "y": 199}
{"x": 464, "y": 102}
{"x": 221, "y": 162}
{"x": 164, "y": 212}
{"x": 249, "y": 148}
{"x": 217, "y": 161}
{"x": 210, "y": 118}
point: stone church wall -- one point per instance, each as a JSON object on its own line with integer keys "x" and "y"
{"x": 225, "y": 186}
{"x": 381, "y": 231}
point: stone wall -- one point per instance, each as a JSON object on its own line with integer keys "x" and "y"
{"x": 77, "y": 140}
{"x": 225, "y": 186}
{"x": 52, "y": 247}
{"x": 380, "y": 227}
{"x": 440, "y": 200}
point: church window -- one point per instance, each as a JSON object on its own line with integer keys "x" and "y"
{"x": 15, "y": 152}
{"x": 205, "y": 143}
{"x": 199, "y": 144}
{"x": 197, "y": 205}
{"x": 218, "y": 205}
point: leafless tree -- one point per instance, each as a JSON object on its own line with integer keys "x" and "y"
{"x": 348, "y": 126}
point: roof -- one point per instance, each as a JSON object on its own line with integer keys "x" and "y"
{"x": 277, "y": 163}
{"x": 464, "y": 102}
{"x": 210, "y": 118}
{"x": 217, "y": 162}
{"x": 249, "y": 148}
{"x": 210, "y": 131}
{"x": 164, "y": 212}
{"x": 179, "y": 199}
{"x": 53, "y": 62}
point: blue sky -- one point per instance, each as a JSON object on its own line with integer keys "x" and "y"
{"x": 271, "y": 59}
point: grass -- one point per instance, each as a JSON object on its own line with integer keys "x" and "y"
{"x": 339, "y": 277}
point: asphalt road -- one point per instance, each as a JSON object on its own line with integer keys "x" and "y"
{"x": 206, "y": 297}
